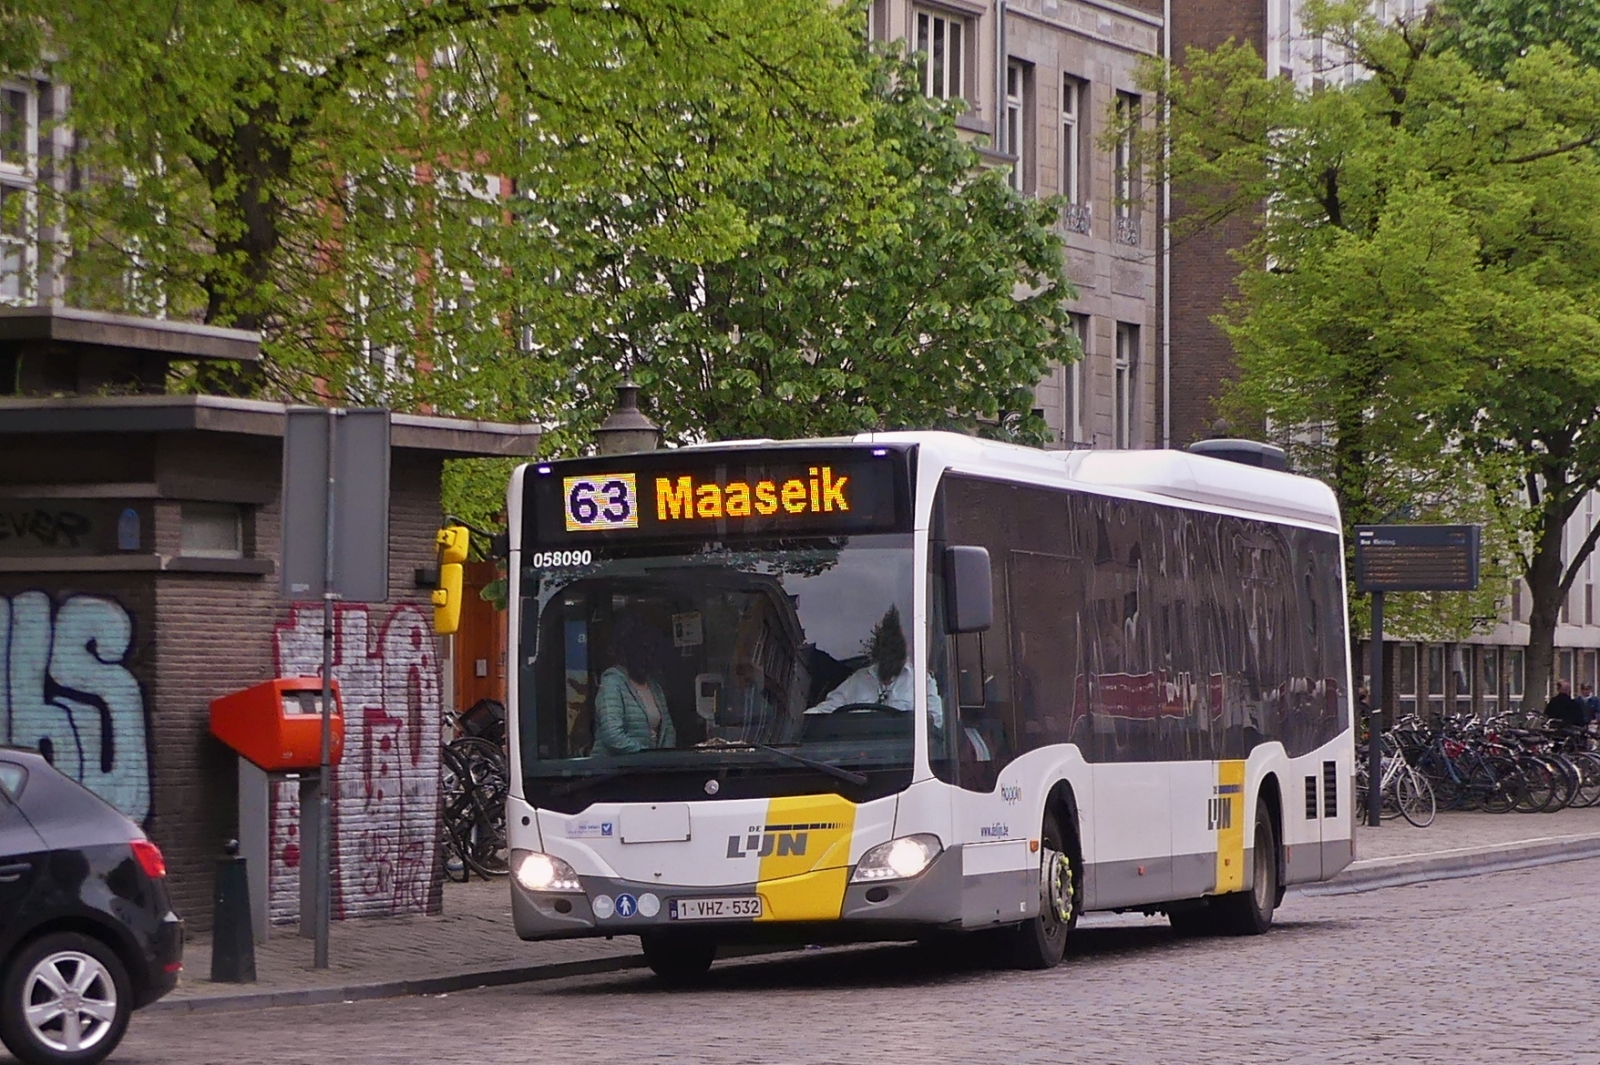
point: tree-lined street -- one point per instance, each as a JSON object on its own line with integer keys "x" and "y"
{"x": 1481, "y": 969}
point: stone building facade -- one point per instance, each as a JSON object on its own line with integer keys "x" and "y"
{"x": 1041, "y": 80}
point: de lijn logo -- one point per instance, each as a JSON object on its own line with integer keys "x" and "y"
{"x": 766, "y": 840}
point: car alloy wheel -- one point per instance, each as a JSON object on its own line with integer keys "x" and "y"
{"x": 69, "y": 1002}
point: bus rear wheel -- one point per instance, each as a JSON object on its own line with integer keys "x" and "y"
{"x": 678, "y": 958}
{"x": 1040, "y": 943}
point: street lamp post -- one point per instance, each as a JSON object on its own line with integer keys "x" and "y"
{"x": 626, "y": 429}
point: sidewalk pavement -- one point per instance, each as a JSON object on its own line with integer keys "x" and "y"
{"x": 472, "y": 943}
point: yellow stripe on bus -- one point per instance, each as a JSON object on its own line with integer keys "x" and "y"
{"x": 803, "y": 877}
{"x": 1227, "y": 813}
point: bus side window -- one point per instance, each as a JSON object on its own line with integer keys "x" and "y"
{"x": 983, "y": 744}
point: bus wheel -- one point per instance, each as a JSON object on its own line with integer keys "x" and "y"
{"x": 1039, "y": 943}
{"x": 678, "y": 959}
{"x": 1249, "y": 913}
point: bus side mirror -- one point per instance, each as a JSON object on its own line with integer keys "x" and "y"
{"x": 968, "y": 589}
{"x": 452, "y": 542}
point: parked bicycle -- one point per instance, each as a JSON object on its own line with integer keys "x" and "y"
{"x": 473, "y": 789}
{"x": 1404, "y": 790}
{"x": 1510, "y": 763}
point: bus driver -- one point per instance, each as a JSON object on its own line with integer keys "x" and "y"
{"x": 887, "y": 679}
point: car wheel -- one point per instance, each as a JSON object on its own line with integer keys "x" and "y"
{"x": 66, "y": 1001}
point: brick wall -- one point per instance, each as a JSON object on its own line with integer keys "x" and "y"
{"x": 386, "y": 806}
{"x": 211, "y": 640}
{"x": 1202, "y": 271}
{"x": 115, "y": 671}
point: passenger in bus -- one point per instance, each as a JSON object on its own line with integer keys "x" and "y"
{"x": 887, "y": 679}
{"x": 630, "y": 707}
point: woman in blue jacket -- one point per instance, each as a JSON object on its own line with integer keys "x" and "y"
{"x": 630, "y": 709}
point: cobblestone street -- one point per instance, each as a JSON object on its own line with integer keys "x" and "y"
{"x": 1479, "y": 969}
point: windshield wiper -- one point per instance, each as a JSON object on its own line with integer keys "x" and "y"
{"x": 848, "y": 775}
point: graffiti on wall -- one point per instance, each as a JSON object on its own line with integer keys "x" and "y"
{"x": 65, "y": 688}
{"x": 385, "y": 811}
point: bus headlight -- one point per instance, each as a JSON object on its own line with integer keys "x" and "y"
{"x": 899, "y": 859}
{"x": 543, "y": 872}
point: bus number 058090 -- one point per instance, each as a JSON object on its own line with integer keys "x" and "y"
{"x": 545, "y": 559}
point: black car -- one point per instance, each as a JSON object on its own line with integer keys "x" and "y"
{"x": 87, "y": 934}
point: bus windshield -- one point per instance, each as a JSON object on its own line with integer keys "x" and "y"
{"x": 718, "y": 669}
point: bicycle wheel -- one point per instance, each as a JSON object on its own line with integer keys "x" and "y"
{"x": 484, "y": 762}
{"x": 1539, "y": 785}
{"x": 1414, "y": 796}
{"x": 1588, "y": 765}
{"x": 1567, "y": 781}
{"x": 1388, "y": 798}
{"x": 484, "y": 848}
{"x": 452, "y": 799}
{"x": 1451, "y": 783}
{"x": 1496, "y": 784}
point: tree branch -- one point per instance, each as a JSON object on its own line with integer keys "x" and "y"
{"x": 1563, "y": 149}
{"x": 429, "y": 19}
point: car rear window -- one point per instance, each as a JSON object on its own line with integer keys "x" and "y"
{"x": 12, "y": 777}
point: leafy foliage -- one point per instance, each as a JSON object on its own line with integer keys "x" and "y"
{"x": 1418, "y": 315}
{"x": 496, "y": 208}
{"x": 940, "y": 303}
{"x": 1492, "y": 34}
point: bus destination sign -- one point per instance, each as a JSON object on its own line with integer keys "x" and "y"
{"x": 696, "y": 495}
{"x": 1417, "y": 558}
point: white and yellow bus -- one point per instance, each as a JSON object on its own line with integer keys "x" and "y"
{"x": 912, "y": 683}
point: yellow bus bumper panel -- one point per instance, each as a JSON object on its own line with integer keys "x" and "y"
{"x": 805, "y": 879}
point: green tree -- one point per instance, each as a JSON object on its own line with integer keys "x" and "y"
{"x": 498, "y": 207}
{"x": 1418, "y": 312}
{"x": 1492, "y": 34}
{"x": 338, "y": 175}
{"x": 941, "y": 305}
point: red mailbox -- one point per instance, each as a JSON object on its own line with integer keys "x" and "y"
{"x": 278, "y": 724}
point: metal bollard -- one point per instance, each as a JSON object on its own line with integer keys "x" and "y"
{"x": 233, "y": 946}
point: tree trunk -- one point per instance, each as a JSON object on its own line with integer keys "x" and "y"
{"x": 1544, "y": 582}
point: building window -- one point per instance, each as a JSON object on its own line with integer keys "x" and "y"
{"x": 1020, "y": 124}
{"x": 19, "y": 172}
{"x": 212, "y": 530}
{"x": 878, "y": 20}
{"x": 1126, "y": 405}
{"x": 1514, "y": 675}
{"x": 942, "y": 42}
{"x": 1127, "y": 168}
{"x": 1461, "y": 666}
{"x": 1563, "y": 667}
{"x": 1405, "y": 670}
{"x": 1074, "y": 106}
{"x": 1077, "y": 394}
{"x": 1588, "y": 604}
{"x": 1516, "y": 600}
{"x": 1405, "y": 678}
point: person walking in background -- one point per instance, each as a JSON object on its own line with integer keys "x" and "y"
{"x": 1590, "y": 702}
{"x": 1563, "y": 709}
